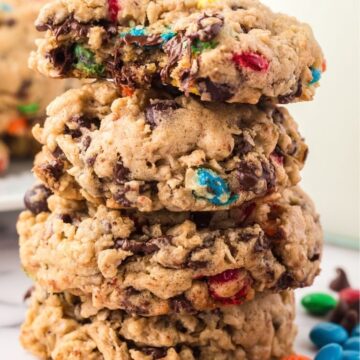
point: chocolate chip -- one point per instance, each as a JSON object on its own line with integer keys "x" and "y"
{"x": 86, "y": 122}
{"x": 285, "y": 99}
{"x": 62, "y": 58}
{"x": 8, "y": 22}
{"x": 242, "y": 146}
{"x": 277, "y": 116}
{"x": 339, "y": 312}
{"x": 217, "y": 92}
{"x": 28, "y": 293}
{"x": 156, "y": 353}
{"x": 74, "y": 133}
{"x": 314, "y": 257}
{"x": 247, "y": 177}
{"x": 180, "y": 304}
{"x": 262, "y": 243}
{"x": 23, "y": 91}
{"x": 138, "y": 247}
{"x": 121, "y": 173}
{"x": 154, "y": 112}
{"x": 143, "y": 40}
{"x": 36, "y": 199}
{"x": 286, "y": 281}
{"x": 66, "y": 218}
{"x": 350, "y": 320}
{"x": 58, "y": 153}
{"x": 269, "y": 175}
{"x": 86, "y": 141}
{"x": 196, "y": 264}
{"x": 201, "y": 219}
{"x": 340, "y": 282}
{"x": 120, "y": 198}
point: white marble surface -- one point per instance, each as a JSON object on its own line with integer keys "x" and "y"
{"x": 13, "y": 285}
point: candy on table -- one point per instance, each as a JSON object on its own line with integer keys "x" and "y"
{"x": 356, "y": 331}
{"x": 340, "y": 282}
{"x": 350, "y": 295}
{"x": 350, "y": 355}
{"x": 29, "y": 109}
{"x": 353, "y": 343}
{"x": 318, "y": 303}
{"x": 295, "y": 357}
{"x": 330, "y": 352}
{"x": 326, "y": 333}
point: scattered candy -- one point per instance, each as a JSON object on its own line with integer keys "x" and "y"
{"x": 352, "y": 344}
{"x": 318, "y": 303}
{"x": 29, "y": 109}
{"x": 17, "y": 126}
{"x": 356, "y": 331}
{"x": 324, "y": 66}
{"x": 85, "y": 62}
{"x": 350, "y": 295}
{"x": 340, "y": 282}
{"x": 199, "y": 46}
{"x": 137, "y": 31}
{"x": 350, "y": 355}
{"x": 326, "y": 333}
{"x": 168, "y": 35}
{"x": 113, "y": 9}
{"x": 212, "y": 187}
{"x": 250, "y": 60}
{"x": 330, "y": 352}
{"x": 316, "y": 76}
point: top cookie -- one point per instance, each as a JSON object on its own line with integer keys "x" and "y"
{"x": 229, "y": 50}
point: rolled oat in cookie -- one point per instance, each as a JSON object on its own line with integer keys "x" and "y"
{"x": 55, "y": 328}
{"x": 220, "y": 50}
{"x": 152, "y": 150}
{"x": 162, "y": 262}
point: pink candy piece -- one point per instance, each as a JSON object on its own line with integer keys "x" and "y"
{"x": 277, "y": 157}
{"x": 114, "y": 9}
{"x": 251, "y": 60}
{"x": 350, "y": 295}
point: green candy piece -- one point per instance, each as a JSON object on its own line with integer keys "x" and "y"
{"x": 85, "y": 62}
{"x": 318, "y": 303}
{"x": 29, "y": 109}
{"x": 199, "y": 46}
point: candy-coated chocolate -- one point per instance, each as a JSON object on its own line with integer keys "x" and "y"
{"x": 318, "y": 303}
{"x": 356, "y": 331}
{"x": 295, "y": 357}
{"x": 326, "y": 333}
{"x": 330, "y": 352}
{"x": 316, "y": 76}
{"x": 350, "y": 355}
{"x": 350, "y": 295}
{"x": 352, "y": 344}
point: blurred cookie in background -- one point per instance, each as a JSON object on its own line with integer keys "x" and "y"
{"x": 24, "y": 94}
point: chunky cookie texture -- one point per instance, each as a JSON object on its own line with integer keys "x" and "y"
{"x": 158, "y": 263}
{"x": 152, "y": 150}
{"x": 24, "y": 94}
{"x": 221, "y": 50}
{"x": 56, "y": 328}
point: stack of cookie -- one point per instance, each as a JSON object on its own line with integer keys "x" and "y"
{"x": 168, "y": 223}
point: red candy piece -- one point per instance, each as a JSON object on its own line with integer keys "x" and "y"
{"x": 277, "y": 157}
{"x": 350, "y": 295}
{"x": 295, "y": 357}
{"x": 228, "y": 281}
{"x": 250, "y": 60}
{"x": 113, "y": 9}
{"x": 323, "y": 66}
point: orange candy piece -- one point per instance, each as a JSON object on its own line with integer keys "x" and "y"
{"x": 295, "y": 357}
{"x": 127, "y": 91}
{"x": 17, "y": 126}
{"x": 323, "y": 66}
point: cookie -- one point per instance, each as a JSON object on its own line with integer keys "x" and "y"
{"x": 152, "y": 150}
{"x": 56, "y": 328}
{"x": 4, "y": 157}
{"x": 228, "y": 50}
{"x": 159, "y": 263}
{"x": 24, "y": 94}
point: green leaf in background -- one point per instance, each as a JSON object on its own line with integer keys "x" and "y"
{"x": 85, "y": 62}
{"x": 29, "y": 109}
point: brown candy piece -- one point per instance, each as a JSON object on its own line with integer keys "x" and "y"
{"x": 340, "y": 282}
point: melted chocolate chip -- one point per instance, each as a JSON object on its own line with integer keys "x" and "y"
{"x": 144, "y": 40}
{"x": 156, "y": 353}
{"x": 217, "y": 92}
{"x": 140, "y": 247}
{"x": 36, "y": 199}
{"x": 314, "y": 257}
{"x": 74, "y": 133}
{"x": 262, "y": 243}
{"x": 54, "y": 169}
{"x": 155, "y": 111}
{"x": 248, "y": 179}
{"x": 121, "y": 173}
{"x": 66, "y": 218}
{"x": 242, "y": 146}
{"x": 286, "y": 281}
{"x": 120, "y": 198}
{"x": 180, "y": 304}
{"x": 86, "y": 122}
{"x": 277, "y": 116}
{"x": 285, "y": 99}
{"x": 62, "y": 58}
{"x": 340, "y": 282}
{"x": 209, "y": 27}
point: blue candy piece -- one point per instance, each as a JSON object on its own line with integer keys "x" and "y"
{"x": 166, "y": 36}
{"x": 351, "y": 355}
{"x": 327, "y": 333}
{"x": 330, "y": 352}
{"x": 219, "y": 193}
{"x": 137, "y": 31}
{"x": 6, "y": 7}
{"x": 356, "y": 331}
{"x": 352, "y": 344}
{"x": 316, "y": 76}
